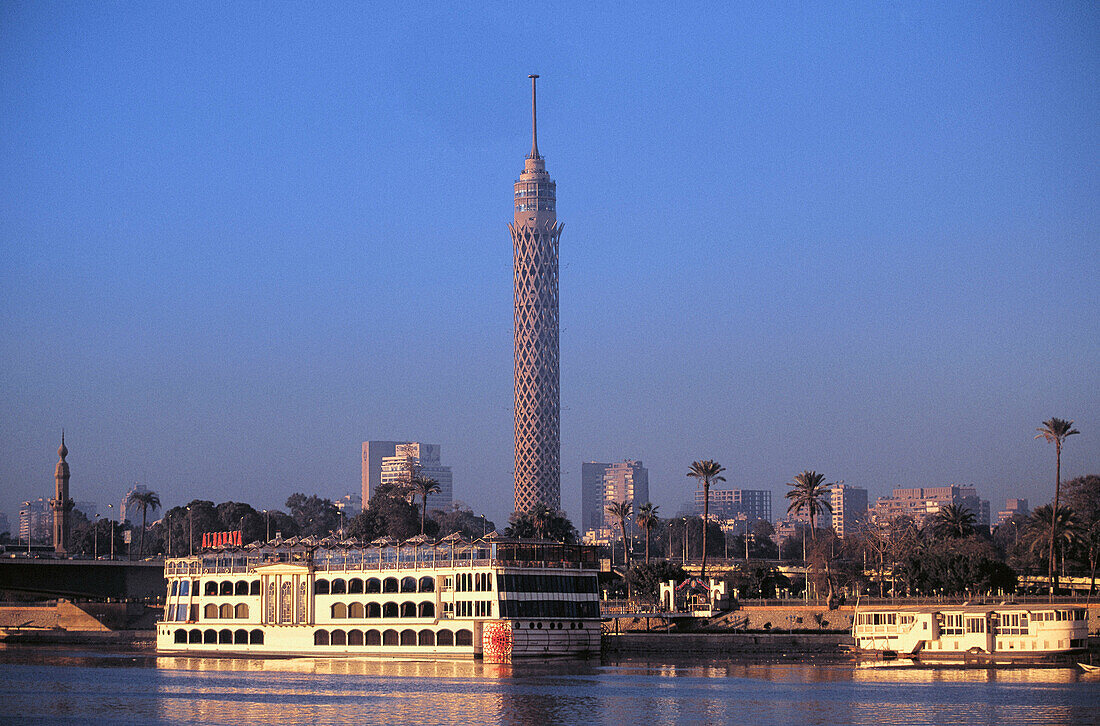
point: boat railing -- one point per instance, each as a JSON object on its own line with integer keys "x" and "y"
{"x": 339, "y": 565}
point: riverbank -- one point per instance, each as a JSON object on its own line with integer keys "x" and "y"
{"x": 771, "y": 644}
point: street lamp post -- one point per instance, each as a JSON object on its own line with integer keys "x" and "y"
{"x": 27, "y": 505}
{"x": 267, "y": 526}
{"x": 190, "y": 532}
{"x": 111, "y": 506}
{"x": 95, "y": 538}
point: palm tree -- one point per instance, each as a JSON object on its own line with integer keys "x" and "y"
{"x": 810, "y": 493}
{"x": 953, "y": 521}
{"x": 146, "y": 500}
{"x": 706, "y": 471}
{"x": 1044, "y": 528}
{"x": 622, "y": 510}
{"x": 646, "y": 518}
{"x": 421, "y": 487}
{"x": 1055, "y": 431}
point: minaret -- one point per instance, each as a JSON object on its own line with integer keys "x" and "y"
{"x": 61, "y": 504}
{"x": 535, "y": 234}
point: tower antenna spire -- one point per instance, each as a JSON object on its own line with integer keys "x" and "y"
{"x": 534, "y": 126}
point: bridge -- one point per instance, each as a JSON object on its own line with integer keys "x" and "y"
{"x": 82, "y": 579}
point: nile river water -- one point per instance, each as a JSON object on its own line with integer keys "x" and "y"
{"x": 42, "y": 685}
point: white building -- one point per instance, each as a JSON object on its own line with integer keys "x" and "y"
{"x": 389, "y": 462}
{"x": 849, "y": 508}
{"x": 604, "y": 484}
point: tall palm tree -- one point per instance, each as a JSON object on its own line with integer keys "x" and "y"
{"x": 421, "y": 487}
{"x": 146, "y": 500}
{"x": 809, "y": 492}
{"x": 953, "y": 521}
{"x": 646, "y": 518}
{"x": 622, "y": 510}
{"x": 707, "y": 472}
{"x": 1045, "y": 527}
{"x": 1056, "y": 431}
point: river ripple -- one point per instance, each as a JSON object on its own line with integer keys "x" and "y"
{"x": 65, "y": 685}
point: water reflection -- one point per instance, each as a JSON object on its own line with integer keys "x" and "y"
{"x": 43, "y": 686}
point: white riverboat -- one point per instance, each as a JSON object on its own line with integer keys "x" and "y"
{"x": 1000, "y": 632}
{"x": 492, "y": 598}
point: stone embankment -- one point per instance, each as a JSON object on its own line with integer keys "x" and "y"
{"x": 67, "y": 622}
{"x": 728, "y": 643}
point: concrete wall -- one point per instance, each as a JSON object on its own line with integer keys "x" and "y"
{"x": 83, "y": 579}
{"x": 689, "y": 644}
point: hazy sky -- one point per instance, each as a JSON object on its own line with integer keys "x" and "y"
{"x": 238, "y": 239}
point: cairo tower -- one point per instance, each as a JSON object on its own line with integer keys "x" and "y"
{"x": 535, "y": 234}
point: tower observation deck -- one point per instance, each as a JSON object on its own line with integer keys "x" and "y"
{"x": 535, "y": 233}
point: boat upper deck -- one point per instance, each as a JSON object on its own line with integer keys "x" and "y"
{"x": 332, "y": 554}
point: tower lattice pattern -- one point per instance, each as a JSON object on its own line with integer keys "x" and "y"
{"x": 537, "y": 396}
{"x": 535, "y": 234}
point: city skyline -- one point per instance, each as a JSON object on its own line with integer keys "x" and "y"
{"x": 238, "y": 244}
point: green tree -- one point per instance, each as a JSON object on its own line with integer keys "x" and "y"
{"x": 644, "y": 580}
{"x": 146, "y": 500}
{"x": 541, "y": 522}
{"x": 953, "y": 521}
{"x": 1055, "y": 431}
{"x": 314, "y": 515}
{"x": 621, "y": 511}
{"x": 707, "y": 472}
{"x": 1045, "y": 527}
{"x": 809, "y": 493}
{"x": 390, "y": 513}
{"x": 423, "y": 487}
{"x": 647, "y": 518}
{"x": 463, "y": 520}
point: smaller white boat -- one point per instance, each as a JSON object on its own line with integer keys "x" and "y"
{"x": 1089, "y": 668}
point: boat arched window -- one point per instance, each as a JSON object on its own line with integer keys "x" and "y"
{"x": 225, "y": 637}
{"x": 226, "y": 588}
{"x": 445, "y": 637}
{"x": 240, "y": 587}
{"x": 408, "y": 584}
{"x": 339, "y": 587}
{"x": 240, "y": 637}
{"x": 374, "y": 637}
{"x": 390, "y": 637}
{"x": 210, "y": 612}
{"x": 320, "y": 587}
{"x": 408, "y": 610}
{"x": 425, "y": 637}
{"x": 210, "y": 588}
{"x": 373, "y": 584}
{"x": 181, "y": 635}
{"x": 408, "y": 637}
{"x": 355, "y": 585}
{"x": 390, "y": 585}
{"x": 464, "y": 637}
{"x": 195, "y": 636}
{"x": 339, "y": 637}
{"x": 356, "y": 610}
{"x": 320, "y": 637}
{"x": 254, "y": 587}
{"x": 427, "y": 584}
{"x": 427, "y": 609}
{"x": 226, "y": 611}
{"x": 389, "y": 610}
{"x": 256, "y": 637}
{"x": 210, "y": 636}
{"x": 373, "y": 610}
{"x": 339, "y": 611}
{"x": 240, "y": 611}
{"x": 355, "y": 637}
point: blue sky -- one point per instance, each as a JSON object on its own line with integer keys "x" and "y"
{"x": 239, "y": 239}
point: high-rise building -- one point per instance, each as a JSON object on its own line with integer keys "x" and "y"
{"x": 849, "y": 508}
{"x": 1012, "y": 508}
{"x": 125, "y": 510}
{"x": 729, "y": 503}
{"x": 535, "y": 234}
{"x": 390, "y": 461}
{"x": 5, "y": 524}
{"x": 36, "y": 521}
{"x": 604, "y": 484}
{"x": 61, "y": 504}
{"x": 920, "y": 503}
{"x": 592, "y": 495}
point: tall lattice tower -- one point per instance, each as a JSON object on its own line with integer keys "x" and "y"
{"x": 535, "y": 234}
